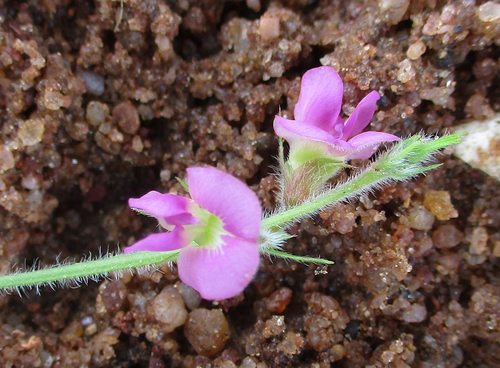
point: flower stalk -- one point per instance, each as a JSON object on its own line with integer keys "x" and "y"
{"x": 77, "y": 273}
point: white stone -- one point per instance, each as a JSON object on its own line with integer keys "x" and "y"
{"x": 489, "y": 12}
{"x": 480, "y": 148}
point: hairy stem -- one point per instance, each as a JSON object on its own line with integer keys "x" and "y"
{"x": 80, "y": 271}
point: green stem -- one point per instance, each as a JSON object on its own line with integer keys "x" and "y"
{"x": 82, "y": 270}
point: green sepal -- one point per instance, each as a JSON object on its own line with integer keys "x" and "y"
{"x": 281, "y": 254}
{"x": 183, "y": 184}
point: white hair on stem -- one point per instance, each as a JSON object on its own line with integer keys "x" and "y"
{"x": 70, "y": 282}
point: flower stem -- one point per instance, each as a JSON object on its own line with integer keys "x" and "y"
{"x": 81, "y": 271}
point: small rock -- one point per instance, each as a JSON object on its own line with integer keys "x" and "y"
{"x": 94, "y": 82}
{"x": 489, "y": 12}
{"x": 254, "y": 5}
{"x": 97, "y": 113}
{"x": 137, "y": 144}
{"x": 393, "y": 10}
{"x": 292, "y": 343}
{"x": 439, "y": 203}
{"x": 127, "y": 117}
{"x": 448, "y": 264}
{"x": 207, "y": 331}
{"x": 414, "y": 314}
{"x": 248, "y": 362}
{"x": 420, "y": 218}
{"x": 269, "y": 28}
{"x": 406, "y": 71}
{"x": 165, "y": 47}
{"x": 53, "y": 100}
{"x": 31, "y": 131}
{"x": 191, "y": 297}
{"x": 113, "y": 293}
{"x": 279, "y": 300}
{"x": 6, "y": 159}
{"x": 496, "y": 249}
{"x": 479, "y": 241}
{"x": 72, "y": 332}
{"x": 416, "y": 50}
{"x": 480, "y": 148}
{"x": 447, "y": 236}
{"x": 439, "y": 96}
{"x": 169, "y": 309}
{"x": 274, "y": 326}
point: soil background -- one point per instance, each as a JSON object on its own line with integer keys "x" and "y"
{"x": 105, "y": 100}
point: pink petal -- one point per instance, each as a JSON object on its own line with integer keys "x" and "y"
{"x": 338, "y": 128}
{"x": 361, "y": 116}
{"x": 161, "y": 242}
{"x": 367, "y": 143}
{"x": 172, "y": 208}
{"x": 320, "y": 98}
{"x": 219, "y": 274}
{"x": 294, "y": 131}
{"x": 301, "y": 136}
{"x": 228, "y": 198}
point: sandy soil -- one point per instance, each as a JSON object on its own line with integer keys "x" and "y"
{"x": 104, "y": 100}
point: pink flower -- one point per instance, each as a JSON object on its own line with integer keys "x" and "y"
{"x": 318, "y": 131}
{"x": 216, "y": 231}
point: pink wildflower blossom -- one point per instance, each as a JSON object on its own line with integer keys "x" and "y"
{"x": 216, "y": 232}
{"x": 318, "y": 131}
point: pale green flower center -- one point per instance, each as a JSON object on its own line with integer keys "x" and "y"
{"x": 209, "y": 231}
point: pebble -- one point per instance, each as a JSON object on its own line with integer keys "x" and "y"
{"x": 113, "y": 295}
{"x": 406, "y": 71}
{"x": 420, "y": 218}
{"x": 6, "y": 159}
{"x": 169, "y": 309}
{"x": 269, "y": 28}
{"x": 447, "y": 236}
{"x": 53, "y": 100}
{"x": 94, "y": 82}
{"x": 489, "y": 12}
{"x": 480, "y": 148}
{"x": 191, "y": 297}
{"x": 72, "y": 332}
{"x": 207, "y": 331}
{"x": 479, "y": 240}
{"x": 127, "y": 117}
{"x": 97, "y": 112}
{"x": 496, "y": 249}
{"x": 416, "y": 50}
{"x": 31, "y": 131}
{"x": 137, "y": 144}
{"x": 439, "y": 203}
{"x": 393, "y": 10}
{"x": 448, "y": 264}
{"x": 255, "y": 5}
{"x": 248, "y": 362}
{"x": 274, "y": 326}
{"x": 278, "y": 301}
{"x": 438, "y": 95}
{"x": 414, "y": 314}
